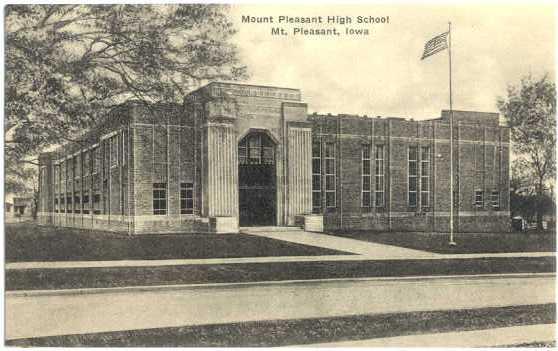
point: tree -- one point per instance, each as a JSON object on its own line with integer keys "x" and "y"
{"x": 68, "y": 65}
{"x": 530, "y": 111}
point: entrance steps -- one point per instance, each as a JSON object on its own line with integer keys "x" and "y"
{"x": 270, "y": 229}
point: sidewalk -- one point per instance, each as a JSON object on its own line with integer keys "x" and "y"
{"x": 477, "y": 338}
{"x": 63, "y": 314}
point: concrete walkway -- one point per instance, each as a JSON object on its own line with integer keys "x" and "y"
{"x": 508, "y": 336}
{"x": 332, "y": 242}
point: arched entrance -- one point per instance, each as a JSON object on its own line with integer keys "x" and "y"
{"x": 257, "y": 180}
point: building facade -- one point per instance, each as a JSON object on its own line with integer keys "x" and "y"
{"x": 242, "y": 155}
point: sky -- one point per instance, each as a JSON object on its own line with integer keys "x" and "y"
{"x": 381, "y": 74}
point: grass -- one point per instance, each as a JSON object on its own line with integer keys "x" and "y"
{"x": 309, "y": 331}
{"x": 466, "y": 242}
{"x": 73, "y": 278}
{"x": 30, "y": 242}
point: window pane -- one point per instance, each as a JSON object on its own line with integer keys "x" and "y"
{"x": 366, "y": 183}
{"x": 424, "y": 185}
{"x": 366, "y": 199}
{"x": 329, "y": 150}
{"x": 330, "y": 182}
{"x": 413, "y": 153}
{"x": 379, "y": 152}
{"x": 412, "y": 184}
{"x": 365, "y": 152}
{"x": 379, "y": 199}
{"x": 316, "y": 182}
{"x": 365, "y": 167}
{"x": 424, "y": 199}
{"x": 316, "y": 199}
{"x": 316, "y": 152}
{"x": 330, "y": 199}
{"x": 316, "y": 165}
{"x": 330, "y": 166}
{"x": 413, "y": 169}
{"x": 412, "y": 199}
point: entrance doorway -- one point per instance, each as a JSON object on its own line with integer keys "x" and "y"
{"x": 256, "y": 180}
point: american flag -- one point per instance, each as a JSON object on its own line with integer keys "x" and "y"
{"x": 434, "y": 45}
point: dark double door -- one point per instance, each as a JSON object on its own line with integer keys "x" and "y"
{"x": 256, "y": 180}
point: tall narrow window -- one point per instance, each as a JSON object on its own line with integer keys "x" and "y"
{"x": 316, "y": 177}
{"x": 379, "y": 175}
{"x": 329, "y": 158}
{"x": 159, "y": 198}
{"x": 85, "y": 202}
{"x": 413, "y": 176}
{"x": 124, "y": 146}
{"x": 86, "y": 160}
{"x": 186, "y": 198}
{"x": 113, "y": 144}
{"x": 495, "y": 199}
{"x": 75, "y": 167}
{"x": 425, "y": 176}
{"x": 479, "y": 198}
{"x": 366, "y": 198}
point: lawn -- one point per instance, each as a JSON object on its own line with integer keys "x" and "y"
{"x": 30, "y": 242}
{"x": 466, "y": 242}
{"x": 106, "y": 277}
{"x": 309, "y": 331}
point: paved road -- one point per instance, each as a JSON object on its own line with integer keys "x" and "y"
{"x": 57, "y": 314}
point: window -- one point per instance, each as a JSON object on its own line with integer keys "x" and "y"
{"x": 62, "y": 206}
{"x": 256, "y": 148}
{"x": 95, "y": 160}
{"x": 75, "y": 167}
{"x": 86, "y": 163}
{"x": 77, "y": 202}
{"x": 495, "y": 199}
{"x": 113, "y": 145}
{"x": 159, "y": 198}
{"x": 329, "y": 158}
{"x": 106, "y": 161}
{"x": 413, "y": 176}
{"x": 69, "y": 202}
{"x": 124, "y": 146}
{"x": 366, "y": 198}
{"x": 186, "y": 198}
{"x": 425, "y": 176}
{"x": 316, "y": 177}
{"x": 479, "y": 198}
{"x": 379, "y": 175}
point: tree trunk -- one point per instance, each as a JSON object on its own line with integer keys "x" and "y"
{"x": 540, "y": 209}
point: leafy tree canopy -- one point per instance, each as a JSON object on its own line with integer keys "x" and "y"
{"x": 530, "y": 111}
{"x": 67, "y": 65}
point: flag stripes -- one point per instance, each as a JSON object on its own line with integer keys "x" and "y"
{"x": 435, "y": 45}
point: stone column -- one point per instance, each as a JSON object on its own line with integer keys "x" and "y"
{"x": 220, "y": 191}
{"x": 299, "y": 176}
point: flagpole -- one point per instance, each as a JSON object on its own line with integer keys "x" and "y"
{"x": 451, "y": 241}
